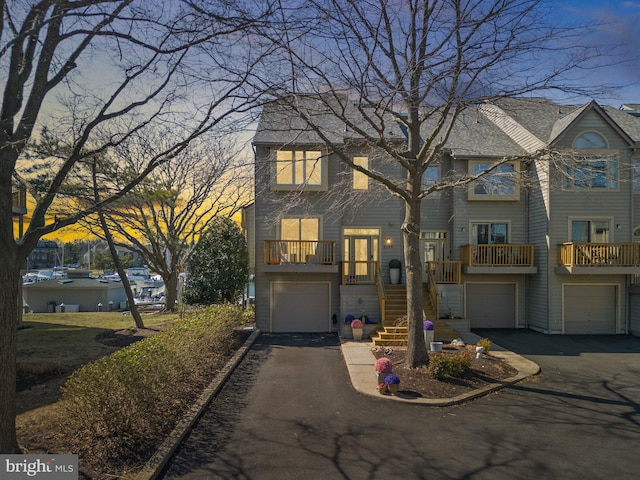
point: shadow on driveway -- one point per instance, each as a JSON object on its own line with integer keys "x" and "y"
{"x": 528, "y": 342}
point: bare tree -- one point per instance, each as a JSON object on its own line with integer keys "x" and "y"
{"x": 91, "y": 70}
{"x": 162, "y": 218}
{"x": 375, "y": 65}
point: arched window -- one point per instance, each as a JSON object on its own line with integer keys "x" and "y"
{"x": 590, "y": 140}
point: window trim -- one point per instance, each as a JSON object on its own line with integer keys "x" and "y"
{"x": 587, "y": 156}
{"x": 586, "y": 132}
{"x": 358, "y": 176}
{"x": 489, "y": 222}
{"x": 324, "y": 177}
{"x": 609, "y": 220}
{"x": 488, "y": 196}
{"x": 300, "y": 217}
{"x": 435, "y": 194}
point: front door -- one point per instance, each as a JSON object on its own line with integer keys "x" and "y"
{"x": 360, "y": 255}
{"x": 435, "y": 246}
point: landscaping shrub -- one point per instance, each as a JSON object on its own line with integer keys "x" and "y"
{"x": 442, "y": 364}
{"x": 486, "y": 343}
{"x": 120, "y": 407}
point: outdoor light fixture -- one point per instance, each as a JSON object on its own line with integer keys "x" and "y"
{"x": 388, "y": 242}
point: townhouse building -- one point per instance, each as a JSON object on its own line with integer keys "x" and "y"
{"x": 547, "y": 240}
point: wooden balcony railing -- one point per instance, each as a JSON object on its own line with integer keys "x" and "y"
{"x": 359, "y": 273}
{"x": 318, "y": 252}
{"x": 573, "y": 254}
{"x": 444, "y": 271}
{"x": 500, "y": 255}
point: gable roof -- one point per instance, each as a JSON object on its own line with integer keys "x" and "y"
{"x": 549, "y": 121}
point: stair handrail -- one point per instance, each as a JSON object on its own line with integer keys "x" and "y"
{"x": 433, "y": 292}
{"x": 382, "y": 296}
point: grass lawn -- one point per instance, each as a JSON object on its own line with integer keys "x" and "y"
{"x": 52, "y": 345}
{"x": 69, "y": 338}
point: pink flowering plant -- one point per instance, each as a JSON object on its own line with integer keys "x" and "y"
{"x": 356, "y": 324}
{"x": 383, "y": 365}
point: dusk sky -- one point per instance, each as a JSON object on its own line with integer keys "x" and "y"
{"x": 618, "y": 24}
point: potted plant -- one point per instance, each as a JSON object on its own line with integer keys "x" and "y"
{"x": 392, "y": 381}
{"x": 383, "y": 368}
{"x": 356, "y": 328}
{"x": 394, "y": 271}
{"x": 429, "y": 331}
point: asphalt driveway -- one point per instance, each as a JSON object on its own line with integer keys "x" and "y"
{"x": 289, "y": 412}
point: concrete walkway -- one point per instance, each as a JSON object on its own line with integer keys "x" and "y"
{"x": 360, "y": 361}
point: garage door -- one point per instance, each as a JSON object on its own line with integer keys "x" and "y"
{"x": 300, "y": 307}
{"x": 491, "y": 306}
{"x": 589, "y": 309}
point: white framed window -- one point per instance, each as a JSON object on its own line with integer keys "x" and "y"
{"x": 361, "y": 180}
{"x": 306, "y": 228}
{"x": 591, "y": 230}
{"x": 489, "y": 233}
{"x": 590, "y": 141}
{"x": 591, "y": 173}
{"x": 430, "y": 177}
{"x": 501, "y": 183}
{"x": 300, "y": 168}
{"x": 592, "y": 167}
{"x": 636, "y": 177}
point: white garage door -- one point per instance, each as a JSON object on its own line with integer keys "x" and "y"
{"x": 589, "y": 309}
{"x": 300, "y": 307}
{"x": 491, "y": 306}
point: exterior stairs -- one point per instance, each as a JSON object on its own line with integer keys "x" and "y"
{"x": 396, "y": 307}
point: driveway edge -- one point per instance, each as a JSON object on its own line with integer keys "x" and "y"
{"x": 159, "y": 460}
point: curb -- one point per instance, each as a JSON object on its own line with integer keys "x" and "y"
{"x": 159, "y": 460}
{"x": 525, "y": 368}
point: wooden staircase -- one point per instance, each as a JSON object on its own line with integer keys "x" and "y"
{"x": 396, "y": 307}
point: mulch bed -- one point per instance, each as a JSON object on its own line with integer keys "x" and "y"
{"x": 417, "y": 382}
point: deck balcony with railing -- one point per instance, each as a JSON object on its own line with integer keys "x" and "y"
{"x": 300, "y": 255}
{"x": 506, "y": 258}
{"x": 444, "y": 271}
{"x": 359, "y": 272}
{"x": 605, "y": 258}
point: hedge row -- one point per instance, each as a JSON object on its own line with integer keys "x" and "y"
{"x": 119, "y": 408}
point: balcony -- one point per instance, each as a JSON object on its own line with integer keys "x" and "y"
{"x": 359, "y": 272}
{"x": 19, "y": 200}
{"x": 599, "y": 258}
{"x": 504, "y": 258}
{"x": 300, "y": 256}
{"x": 445, "y": 271}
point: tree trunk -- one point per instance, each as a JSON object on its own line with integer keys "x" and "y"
{"x": 9, "y": 279}
{"x": 416, "y": 352}
{"x": 170, "y": 290}
{"x": 137, "y": 318}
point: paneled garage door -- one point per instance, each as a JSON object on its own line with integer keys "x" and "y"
{"x": 491, "y": 306}
{"x": 300, "y": 307}
{"x": 589, "y": 309}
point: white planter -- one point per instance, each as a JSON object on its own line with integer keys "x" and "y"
{"x": 357, "y": 333}
{"x": 436, "y": 347}
{"x": 428, "y": 337}
{"x": 394, "y": 273}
